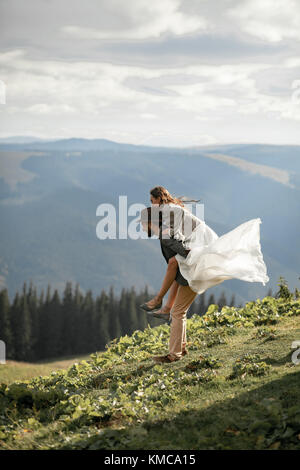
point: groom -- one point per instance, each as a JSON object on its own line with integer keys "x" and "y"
{"x": 151, "y": 224}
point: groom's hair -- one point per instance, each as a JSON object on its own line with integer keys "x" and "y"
{"x": 151, "y": 215}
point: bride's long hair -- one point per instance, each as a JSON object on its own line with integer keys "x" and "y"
{"x": 165, "y": 196}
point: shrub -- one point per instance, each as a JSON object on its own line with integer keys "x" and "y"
{"x": 249, "y": 365}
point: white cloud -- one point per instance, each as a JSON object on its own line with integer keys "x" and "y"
{"x": 198, "y": 98}
{"x": 43, "y": 108}
{"x": 142, "y": 19}
{"x": 92, "y": 99}
{"x": 148, "y": 116}
{"x": 51, "y": 87}
{"x": 270, "y": 20}
{"x": 205, "y": 117}
{"x": 291, "y": 62}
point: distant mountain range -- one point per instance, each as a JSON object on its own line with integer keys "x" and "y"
{"x": 50, "y": 190}
{"x": 20, "y": 139}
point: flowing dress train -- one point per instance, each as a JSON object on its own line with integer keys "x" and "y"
{"x": 213, "y": 259}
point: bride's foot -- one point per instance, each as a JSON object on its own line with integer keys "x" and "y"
{"x": 152, "y": 304}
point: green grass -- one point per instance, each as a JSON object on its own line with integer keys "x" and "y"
{"x": 16, "y": 370}
{"x": 236, "y": 389}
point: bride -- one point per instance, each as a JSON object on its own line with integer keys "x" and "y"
{"x": 211, "y": 259}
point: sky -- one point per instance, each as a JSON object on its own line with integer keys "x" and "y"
{"x": 176, "y": 73}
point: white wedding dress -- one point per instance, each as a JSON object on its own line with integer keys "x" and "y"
{"x": 213, "y": 259}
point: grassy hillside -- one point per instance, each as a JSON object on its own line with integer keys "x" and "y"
{"x": 238, "y": 388}
{"x": 16, "y": 370}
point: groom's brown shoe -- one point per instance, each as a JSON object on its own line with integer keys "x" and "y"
{"x": 165, "y": 359}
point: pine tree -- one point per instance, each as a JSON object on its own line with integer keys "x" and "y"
{"x": 232, "y": 302}
{"x": 123, "y": 314}
{"x": 54, "y": 344}
{"x": 142, "y": 316}
{"x": 113, "y": 316}
{"x": 5, "y": 323}
{"x": 24, "y": 343}
{"x": 132, "y": 323}
{"x": 41, "y": 299}
{"x": 68, "y": 330}
{"x": 222, "y": 300}
{"x": 32, "y": 302}
{"x": 78, "y": 321}
{"x": 14, "y": 322}
{"x": 86, "y": 314}
{"x": 101, "y": 322}
{"x": 43, "y": 350}
{"x": 201, "y": 305}
{"x": 211, "y": 300}
{"x": 269, "y": 292}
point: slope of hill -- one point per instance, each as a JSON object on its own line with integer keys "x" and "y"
{"x": 12, "y": 371}
{"x": 238, "y": 388}
{"x": 49, "y": 193}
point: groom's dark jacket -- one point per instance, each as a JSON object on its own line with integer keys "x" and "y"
{"x": 171, "y": 247}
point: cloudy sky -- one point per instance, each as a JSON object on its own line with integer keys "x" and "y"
{"x": 159, "y": 72}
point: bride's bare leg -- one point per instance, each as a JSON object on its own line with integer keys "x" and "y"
{"x": 171, "y": 298}
{"x": 167, "y": 283}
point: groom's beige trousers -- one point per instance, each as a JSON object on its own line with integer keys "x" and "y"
{"x": 183, "y": 300}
